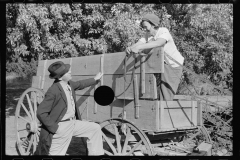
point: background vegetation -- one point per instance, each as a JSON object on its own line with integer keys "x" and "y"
{"x": 202, "y": 33}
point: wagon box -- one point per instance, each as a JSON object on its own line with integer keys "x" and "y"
{"x": 154, "y": 115}
{"x": 136, "y": 121}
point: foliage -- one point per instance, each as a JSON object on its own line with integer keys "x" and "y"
{"x": 202, "y": 33}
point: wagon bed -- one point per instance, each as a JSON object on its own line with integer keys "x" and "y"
{"x": 151, "y": 129}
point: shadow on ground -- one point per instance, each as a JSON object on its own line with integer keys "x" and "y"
{"x": 14, "y": 89}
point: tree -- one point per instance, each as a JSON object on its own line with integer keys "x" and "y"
{"x": 202, "y": 33}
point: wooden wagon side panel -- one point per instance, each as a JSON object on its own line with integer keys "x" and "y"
{"x": 116, "y": 82}
{"x": 177, "y": 114}
{"x": 113, "y": 63}
{"x": 146, "y": 118}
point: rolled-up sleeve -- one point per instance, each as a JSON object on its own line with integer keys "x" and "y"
{"x": 163, "y": 34}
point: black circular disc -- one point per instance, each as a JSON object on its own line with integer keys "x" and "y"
{"x": 104, "y": 95}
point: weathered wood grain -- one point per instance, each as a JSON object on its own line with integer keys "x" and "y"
{"x": 113, "y": 63}
{"x": 116, "y": 82}
{"x": 146, "y": 118}
{"x": 177, "y": 114}
{"x": 173, "y": 114}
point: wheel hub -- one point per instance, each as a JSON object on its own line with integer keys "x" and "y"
{"x": 31, "y": 127}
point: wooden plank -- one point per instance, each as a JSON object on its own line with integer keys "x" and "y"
{"x": 136, "y": 97}
{"x": 44, "y": 73}
{"x": 102, "y": 67}
{"x": 40, "y": 66}
{"x": 177, "y": 114}
{"x": 143, "y": 74}
{"x": 193, "y": 116}
{"x": 147, "y": 114}
{"x": 116, "y": 82}
{"x": 113, "y": 63}
{"x": 199, "y": 113}
{"x": 158, "y": 121}
{"x": 158, "y": 125}
{"x": 161, "y": 115}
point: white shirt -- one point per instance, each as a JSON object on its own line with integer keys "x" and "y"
{"x": 70, "y": 102}
{"x": 169, "y": 48}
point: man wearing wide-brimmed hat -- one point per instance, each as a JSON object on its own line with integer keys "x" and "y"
{"x": 157, "y": 36}
{"x": 59, "y": 118}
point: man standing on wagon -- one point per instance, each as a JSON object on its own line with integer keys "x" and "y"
{"x": 157, "y": 36}
{"x": 60, "y": 121}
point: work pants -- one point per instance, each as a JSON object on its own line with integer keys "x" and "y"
{"x": 167, "y": 82}
{"x": 77, "y": 128}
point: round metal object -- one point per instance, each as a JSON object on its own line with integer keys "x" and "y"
{"x": 26, "y": 123}
{"x": 121, "y": 137}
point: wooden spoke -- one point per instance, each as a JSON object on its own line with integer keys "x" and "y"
{"x": 30, "y": 144}
{"x": 126, "y": 141}
{"x": 23, "y": 119}
{"x": 108, "y": 153}
{"x": 30, "y": 106}
{"x": 34, "y": 142}
{"x": 35, "y": 105}
{"x": 22, "y": 130}
{"x": 37, "y": 137}
{"x": 26, "y": 111}
{"x": 117, "y": 139}
{"x": 122, "y": 141}
{"x": 30, "y": 96}
{"x": 109, "y": 143}
{"x": 193, "y": 136}
{"x": 135, "y": 147}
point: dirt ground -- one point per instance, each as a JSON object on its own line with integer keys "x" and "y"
{"x": 14, "y": 89}
{"x": 76, "y": 147}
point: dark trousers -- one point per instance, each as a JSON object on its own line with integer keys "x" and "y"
{"x": 167, "y": 82}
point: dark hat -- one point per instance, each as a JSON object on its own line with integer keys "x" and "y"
{"x": 58, "y": 69}
{"x": 151, "y": 18}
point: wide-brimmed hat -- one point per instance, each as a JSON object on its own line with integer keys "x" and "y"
{"x": 58, "y": 69}
{"x": 151, "y": 18}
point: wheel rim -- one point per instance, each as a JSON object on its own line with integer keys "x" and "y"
{"x": 26, "y": 123}
{"x": 195, "y": 137}
{"x": 121, "y": 137}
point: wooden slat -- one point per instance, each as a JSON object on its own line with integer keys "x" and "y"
{"x": 147, "y": 114}
{"x": 199, "y": 113}
{"x": 158, "y": 125}
{"x": 113, "y": 63}
{"x": 161, "y": 115}
{"x": 116, "y": 82}
{"x": 102, "y": 67}
{"x": 143, "y": 75}
{"x": 178, "y": 114}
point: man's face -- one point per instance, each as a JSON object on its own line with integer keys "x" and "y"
{"x": 148, "y": 27}
{"x": 67, "y": 76}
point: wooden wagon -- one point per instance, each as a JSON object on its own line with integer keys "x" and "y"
{"x": 155, "y": 127}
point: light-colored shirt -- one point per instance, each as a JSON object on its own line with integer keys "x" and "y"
{"x": 70, "y": 101}
{"x": 169, "y": 48}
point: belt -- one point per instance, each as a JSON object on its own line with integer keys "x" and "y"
{"x": 69, "y": 119}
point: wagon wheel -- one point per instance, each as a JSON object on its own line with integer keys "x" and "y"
{"x": 195, "y": 137}
{"x": 26, "y": 122}
{"x": 118, "y": 142}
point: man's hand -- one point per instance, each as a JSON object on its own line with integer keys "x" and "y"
{"x": 98, "y": 76}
